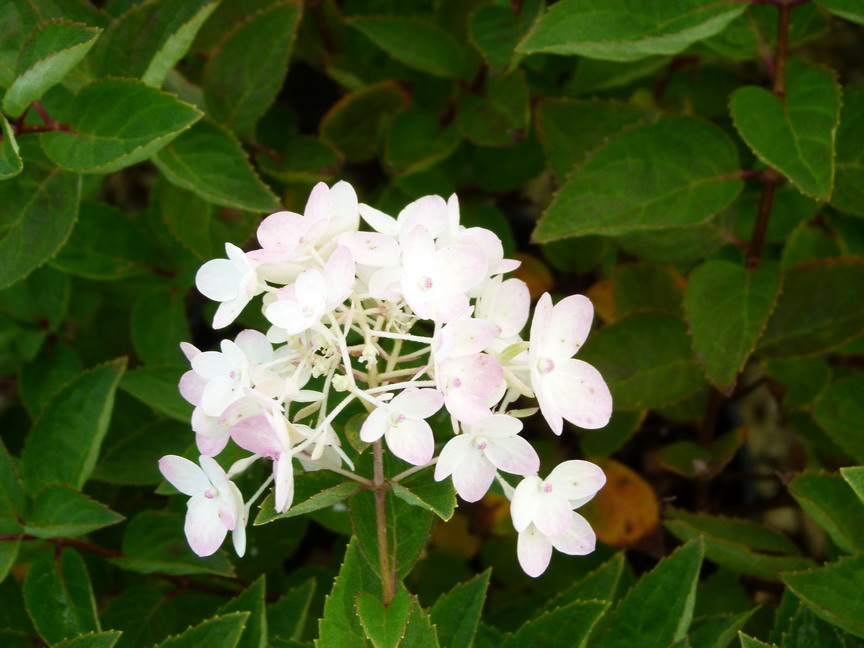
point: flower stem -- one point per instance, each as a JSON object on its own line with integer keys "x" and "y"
{"x": 388, "y": 576}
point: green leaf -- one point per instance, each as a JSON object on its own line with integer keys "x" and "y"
{"x": 306, "y": 159}
{"x": 833, "y": 592}
{"x": 312, "y": 491}
{"x": 795, "y": 136}
{"x": 849, "y": 179}
{"x": 158, "y": 325}
{"x": 116, "y": 123}
{"x": 131, "y": 459}
{"x": 855, "y": 478}
{"x": 251, "y": 600}
{"x": 719, "y": 630}
{"x": 356, "y": 124}
{"x": 65, "y": 440}
{"x": 728, "y": 307}
{"x": 339, "y": 625}
{"x": 39, "y": 209}
{"x": 407, "y": 530}
{"x": 218, "y": 632}
{"x": 627, "y": 30}
{"x": 11, "y": 509}
{"x": 385, "y": 627}
{"x": 416, "y": 141}
{"x": 144, "y": 614}
{"x": 808, "y": 319}
{"x": 91, "y": 640}
{"x": 286, "y": 618}
{"x": 802, "y": 379}
{"x": 695, "y": 461}
{"x": 570, "y": 128}
{"x": 108, "y": 245}
{"x": 738, "y": 544}
{"x": 209, "y": 161}
{"x": 42, "y": 299}
{"x": 157, "y": 387}
{"x": 456, "y": 614}
{"x": 646, "y": 361}
{"x": 147, "y": 41}
{"x": 600, "y": 585}
{"x": 420, "y": 489}
{"x": 830, "y": 501}
{"x": 10, "y": 161}
{"x": 641, "y": 287}
{"x": 685, "y": 245}
{"x": 154, "y": 542}
{"x": 749, "y": 642}
{"x": 848, "y": 9}
{"x": 240, "y": 83}
{"x": 659, "y": 608}
{"x": 59, "y": 598}
{"x": 564, "y": 627}
{"x": 495, "y": 31}
{"x": 593, "y": 76}
{"x": 52, "y": 50}
{"x": 483, "y": 123}
{"x": 806, "y": 630}
{"x": 60, "y": 511}
{"x": 420, "y": 632}
{"x": 416, "y": 43}
{"x": 636, "y": 182}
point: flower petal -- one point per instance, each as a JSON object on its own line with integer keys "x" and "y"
{"x": 513, "y": 455}
{"x": 204, "y": 529}
{"x": 451, "y": 455}
{"x": 534, "y": 551}
{"x": 569, "y": 325}
{"x": 526, "y": 499}
{"x": 284, "y": 473}
{"x": 219, "y": 280}
{"x": 418, "y": 403}
{"x": 580, "y": 393}
{"x": 412, "y": 441}
{"x": 576, "y": 479}
{"x": 579, "y": 539}
{"x": 183, "y": 475}
{"x": 553, "y": 515}
{"x": 473, "y": 476}
{"x": 375, "y": 425}
{"x": 256, "y": 435}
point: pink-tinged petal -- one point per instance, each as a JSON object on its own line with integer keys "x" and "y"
{"x": 219, "y": 394}
{"x": 254, "y": 346}
{"x": 534, "y": 551}
{"x": 185, "y": 476}
{"x": 507, "y": 307}
{"x": 239, "y": 410}
{"x": 214, "y": 473}
{"x": 208, "y": 426}
{"x": 580, "y": 393}
{"x": 569, "y": 325}
{"x": 418, "y": 248}
{"x": 466, "y": 407}
{"x": 310, "y": 287}
{"x": 192, "y": 387}
{"x": 371, "y": 248}
{"x": 279, "y": 232}
{"x": 204, "y": 530}
{"x": 553, "y": 516}
{"x": 508, "y": 265}
{"x": 417, "y": 403}
{"x": 579, "y": 540}
{"x": 228, "y": 513}
{"x": 385, "y": 283}
{"x": 211, "y": 364}
{"x": 211, "y": 446}
{"x": 430, "y": 212}
{"x": 540, "y": 326}
{"x": 526, "y": 499}
{"x": 513, "y": 455}
{"x": 238, "y": 536}
{"x": 437, "y": 305}
{"x": 318, "y": 207}
{"x": 284, "y": 473}
{"x": 256, "y": 435}
{"x": 412, "y": 441}
{"x": 451, "y": 455}
{"x": 470, "y": 335}
{"x": 218, "y": 280}
{"x": 233, "y": 355}
{"x": 290, "y": 316}
{"x": 548, "y": 405}
{"x": 486, "y": 241}
{"x": 577, "y": 479}
{"x": 228, "y": 311}
{"x": 378, "y": 220}
{"x": 189, "y": 350}
{"x": 460, "y": 267}
{"x": 338, "y": 276}
{"x": 497, "y": 426}
{"x": 375, "y": 425}
{"x": 344, "y": 216}
{"x": 473, "y": 476}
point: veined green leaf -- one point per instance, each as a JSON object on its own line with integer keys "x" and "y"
{"x": 209, "y": 161}
{"x": 240, "y": 84}
{"x": 456, "y": 614}
{"x": 839, "y": 411}
{"x": 65, "y": 440}
{"x": 91, "y": 640}
{"x": 385, "y": 627}
{"x": 116, "y": 123}
{"x": 60, "y": 511}
{"x": 340, "y": 625}
{"x": 421, "y": 490}
{"x": 218, "y": 632}
{"x": 833, "y": 592}
{"x": 848, "y": 9}
{"x": 156, "y": 386}
{"x": 10, "y": 160}
{"x": 795, "y": 135}
{"x": 637, "y": 182}
{"x": 312, "y": 491}
{"x": 830, "y": 501}
{"x": 564, "y": 627}
{"x": 849, "y": 180}
{"x": 54, "y": 48}
{"x": 251, "y": 601}
{"x": 728, "y": 307}
{"x": 627, "y": 30}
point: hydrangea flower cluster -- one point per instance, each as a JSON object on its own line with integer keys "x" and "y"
{"x": 408, "y": 317}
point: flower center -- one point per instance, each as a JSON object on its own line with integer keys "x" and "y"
{"x": 545, "y": 365}
{"x": 210, "y": 493}
{"x": 457, "y": 382}
{"x": 307, "y": 311}
{"x": 396, "y": 419}
{"x": 481, "y": 443}
{"x": 426, "y": 283}
{"x": 547, "y": 487}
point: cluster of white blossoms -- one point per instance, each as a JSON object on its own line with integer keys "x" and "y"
{"x": 408, "y": 317}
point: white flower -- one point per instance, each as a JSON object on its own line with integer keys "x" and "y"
{"x": 566, "y": 388}
{"x": 468, "y": 383}
{"x": 215, "y": 505}
{"x": 489, "y": 444}
{"x": 401, "y": 422}
{"x": 232, "y": 281}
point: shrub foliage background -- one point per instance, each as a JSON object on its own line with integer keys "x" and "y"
{"x": 695, "y": 167}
